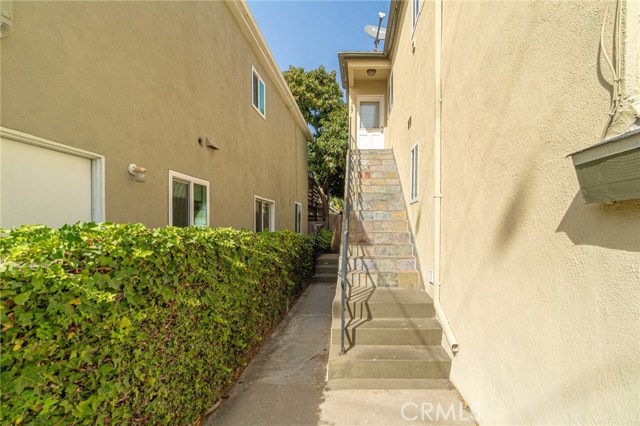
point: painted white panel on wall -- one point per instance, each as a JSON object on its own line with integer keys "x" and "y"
{"x": 39, "y": 185}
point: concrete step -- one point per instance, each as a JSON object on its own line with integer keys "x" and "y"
{"x": 384, "y": 278}
{"x": 372, "y": 151}
{"x": 368, "y": 205}
{"x": 388, "y": 384}
{"x": 388, "y": 331}
{"x": 374, "y": 167}
{"x": 368, "y": 174}
{"x": 388, "y": 263}
{"x": 321, "y": 277}
{"x": 390, "y": 362}
{"x": 385, "y": 154}
{"x": 379, "y": 160}
{"x": 390, "y": 249}
{"x": 377, "y": 215}
{"x": 327, "y": 269}
{"x": 375, "y": 189}
{"x": 362, "y": 182}
{"x": 379, "y": 237}
{"x": 383, "y": 302}
{"x": 378, "y": 225}
{"x": 328, "y": 259}
{"x": 376, "y": 196}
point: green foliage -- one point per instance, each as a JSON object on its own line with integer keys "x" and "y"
{"x": 120, "y": 324}
{"x": 317, "y": 93}
{"x": 324, "y": 240}
{"x": 319, "y": 97}
{"x": 337, "y": 203}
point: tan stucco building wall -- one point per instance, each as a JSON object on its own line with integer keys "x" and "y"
{"x": 542, "y": 290}
{"x": 140, "y": 82}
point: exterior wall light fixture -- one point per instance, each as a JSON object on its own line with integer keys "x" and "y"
{"x": 140, "y": 173}
{"x": 371, "y": 72}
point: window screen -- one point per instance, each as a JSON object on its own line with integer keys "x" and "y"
{"x": 369, "y": 115}
{"x": 199, "y": 205}
{"x": 180, "y": 202}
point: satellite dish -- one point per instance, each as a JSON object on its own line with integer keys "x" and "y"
{"x": 372, "y": 30}
{"x": 377, "y": 32}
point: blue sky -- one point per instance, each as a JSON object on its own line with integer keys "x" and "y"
{"x": 310, "y": 33}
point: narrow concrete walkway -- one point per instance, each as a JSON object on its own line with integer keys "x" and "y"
{"x": 285, "y": 385}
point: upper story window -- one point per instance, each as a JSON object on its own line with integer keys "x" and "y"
{"x": 258, "y": 93}
{"x": 413, "y": 178}
{"x": 415, "y": 14}
{"x": 188, "y": 200}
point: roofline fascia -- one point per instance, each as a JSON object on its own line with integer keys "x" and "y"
{"x": 343, "y": 57}
{"x": 242, "y": 14}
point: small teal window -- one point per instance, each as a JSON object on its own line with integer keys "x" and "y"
{"x": 258, "y": 93}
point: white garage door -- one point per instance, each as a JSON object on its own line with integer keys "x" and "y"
{"x": 40, "y": 185}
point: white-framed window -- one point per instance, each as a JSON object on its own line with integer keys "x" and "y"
{"x": 258, "y": 95}
{"x": 390, "y": 95}
{"x": 413, "y": 177}
{"x": 265, "y": 214}
{"x": 415, "y": 14}
{"x": 188, "y": 200}
{"x": 298, "y": 217}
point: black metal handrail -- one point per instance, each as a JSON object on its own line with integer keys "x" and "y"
{"x": 345, "y": 241}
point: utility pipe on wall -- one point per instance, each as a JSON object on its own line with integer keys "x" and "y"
{"x": 442, "y": 317}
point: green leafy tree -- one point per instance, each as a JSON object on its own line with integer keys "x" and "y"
{"x": 319, "y": 97}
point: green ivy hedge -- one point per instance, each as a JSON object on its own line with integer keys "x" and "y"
{"x": 120, "y": 324}
{"x": 323, "y": 240}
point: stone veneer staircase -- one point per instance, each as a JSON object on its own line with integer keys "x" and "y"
{"x": 392, "y": 338}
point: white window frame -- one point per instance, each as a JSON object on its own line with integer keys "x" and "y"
{"x": 97, "y": 166}
{"x": 190, "y": 180}
{"x": 415, "y": 14}
{"x": 414, "y": 158}
{"x": 254, "y": 72}
{"x": 272, "y": 218}
{"x": 390, "y": 94}
{"x": 297, "y": 223}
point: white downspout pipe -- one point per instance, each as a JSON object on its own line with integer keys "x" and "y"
{"x": 442, "y": 317}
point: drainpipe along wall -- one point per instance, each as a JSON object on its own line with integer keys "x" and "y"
{"x": 442, "y": 317}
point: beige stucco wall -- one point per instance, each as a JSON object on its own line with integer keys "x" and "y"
{"x": 365, "y": 88}
{"x": 542, "y": 291}
{"x": 140, "y": 82}
{"x": 412, "y": 59}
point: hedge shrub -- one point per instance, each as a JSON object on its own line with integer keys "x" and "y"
{"x": 119, "y": 324}
{"x": 324, "y": 240}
